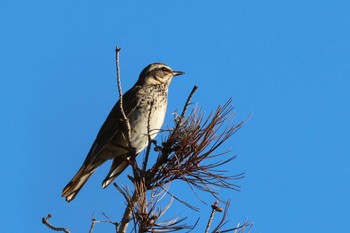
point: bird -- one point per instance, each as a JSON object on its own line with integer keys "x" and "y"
{"x": 144, "y": 106}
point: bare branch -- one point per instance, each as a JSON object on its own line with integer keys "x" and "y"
{"x": 45, "y": 220}
{"x": 214, "y": 208}
{"x": 124, "y": 223}
{"x": 125, "y": 119}
{"x": 94, "y": 221}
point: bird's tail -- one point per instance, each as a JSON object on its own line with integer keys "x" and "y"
{"x": 73, "y": 187}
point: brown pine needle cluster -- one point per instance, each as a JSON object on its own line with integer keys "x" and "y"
{"x": 190, "y": 152}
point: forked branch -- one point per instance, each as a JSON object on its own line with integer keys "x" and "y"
{"x": 45, "y": 221}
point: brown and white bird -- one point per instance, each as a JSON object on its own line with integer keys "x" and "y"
{"x": 145, "y": 106}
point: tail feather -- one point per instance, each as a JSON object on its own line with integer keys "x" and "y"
{"x": 74, "y": 186}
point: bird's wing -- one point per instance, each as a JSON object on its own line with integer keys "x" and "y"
{"x": 114, "y": 125}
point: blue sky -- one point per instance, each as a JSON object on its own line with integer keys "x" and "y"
{"x": 287, "y": 62}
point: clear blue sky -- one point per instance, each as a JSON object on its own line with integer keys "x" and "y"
{"x": 287, "y": 62}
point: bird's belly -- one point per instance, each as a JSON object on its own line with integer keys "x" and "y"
{"x": 143, "y": 123}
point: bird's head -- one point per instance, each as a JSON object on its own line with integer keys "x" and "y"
{"x": 157, "y": 73}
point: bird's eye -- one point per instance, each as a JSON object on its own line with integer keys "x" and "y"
{"x": 165, "y": 69}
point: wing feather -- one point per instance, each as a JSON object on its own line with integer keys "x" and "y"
{"x": 113, "y": 125}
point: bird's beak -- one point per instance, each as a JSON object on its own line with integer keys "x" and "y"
{"x": 176, "y": 73}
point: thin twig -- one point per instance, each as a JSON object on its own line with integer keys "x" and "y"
{"x": 179, "y": 200}
{"x": 94, "y": 221}
{"x": 238, "y": 229}
{"x": 148, "y": 149}
{"x": 45, "y": 220}
{"x": 124, "y": 192}
{"x": 125, "y": 119}
{"x": 214, "y": 208}
{"x": 194, "y": 89}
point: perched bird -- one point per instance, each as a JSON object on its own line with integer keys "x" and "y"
{"x": 145, "y": 106}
